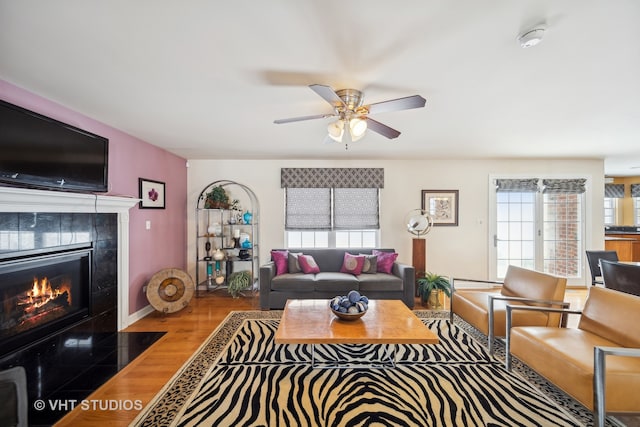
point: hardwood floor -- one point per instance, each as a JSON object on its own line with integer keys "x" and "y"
{"x": 147, "y": 374}
{"x": 186, "y": 330}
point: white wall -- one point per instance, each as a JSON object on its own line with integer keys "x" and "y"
{"x": 459, "y": 251}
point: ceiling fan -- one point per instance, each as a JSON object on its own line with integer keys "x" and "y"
{"x": 353, "y": 116}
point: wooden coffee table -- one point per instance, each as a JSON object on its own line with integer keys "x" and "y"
{"x": 388, "y": 322}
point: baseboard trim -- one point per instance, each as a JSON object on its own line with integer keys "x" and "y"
{"x": 143, "y": 312}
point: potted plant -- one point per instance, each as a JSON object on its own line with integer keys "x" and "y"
{"x": 217, "y": 198}
{"x": 238, "y": 282}
{"x": 430, "y": 288}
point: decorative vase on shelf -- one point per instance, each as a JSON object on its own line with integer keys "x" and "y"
{"x": 247, "y": 217}
{"x": 218, "y": 255}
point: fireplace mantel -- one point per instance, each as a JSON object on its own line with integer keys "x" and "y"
{"x": 28, "y": 200}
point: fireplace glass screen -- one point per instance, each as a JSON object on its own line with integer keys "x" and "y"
{"x": 42, "y": 294}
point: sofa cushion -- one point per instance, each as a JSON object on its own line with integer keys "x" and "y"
{"x": 370, "y": 265}
{"x": 379, "y": 282}
{"x": 472, "y": 306}
{"x": 352, "y": 264}
{"x": 281, "y": 260}
{"x": 385, "y": 261}
{"x": 565, "y": 356}
{"x": 298, "y": 282}
{"x": 335, "y": 282}
{"x": 308, "y": 264}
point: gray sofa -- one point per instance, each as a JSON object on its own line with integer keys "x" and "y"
{"x": 329, "y": 282}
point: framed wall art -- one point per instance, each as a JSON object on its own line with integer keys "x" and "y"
{"x": 442, "y": 205}
{"x": 151, "y": 194}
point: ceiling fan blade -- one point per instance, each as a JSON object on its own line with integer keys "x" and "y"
{"x": 415, "y": 101}
{"x": 329, "y": 95}
{"x": 301, "y": 118}
{"x": 382, "y": 129}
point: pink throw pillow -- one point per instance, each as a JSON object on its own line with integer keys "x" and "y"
{"x": 280, "y": 259}
{"x": 308, "y": 264}
{"x": 385, "y": 260}
{"x": 352, "y": 264}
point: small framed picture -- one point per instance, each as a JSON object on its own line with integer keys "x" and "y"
{"x": 442, "y": 205}
{"x": 151, "y": 194}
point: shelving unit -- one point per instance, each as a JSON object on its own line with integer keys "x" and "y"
{"x": 226, "y": 232}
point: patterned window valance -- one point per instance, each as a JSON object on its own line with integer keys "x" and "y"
{"x": 635, "y": 190}
{"x": 517, "y": 185}
{"x": 614, "y": 190}
{"x": 564, "y": 186}
{"x": 332, "y": 178}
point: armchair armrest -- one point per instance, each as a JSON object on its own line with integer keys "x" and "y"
{"x": 453, "y": 289}
{"x": 491, "y": 335}
{"x": 599, "y": 377}
{"x": 460, "y": 279}
{"x": 267, "y": 273}
{"x": 509, "y": 324}
{"x": 408, "y": 275}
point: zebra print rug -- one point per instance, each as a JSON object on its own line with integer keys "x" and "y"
{"x": 239, "y": 377}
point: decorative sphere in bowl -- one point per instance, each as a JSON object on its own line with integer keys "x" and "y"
{"x": 349, "y": 307}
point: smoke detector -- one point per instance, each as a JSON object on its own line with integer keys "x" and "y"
{"x": 532, "y": 37}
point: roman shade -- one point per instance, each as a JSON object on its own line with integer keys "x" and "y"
{"x": 517, "y": 185}
{"x": 614, "y": 190}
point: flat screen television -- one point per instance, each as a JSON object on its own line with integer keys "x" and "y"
{"x": 40, "y": 152}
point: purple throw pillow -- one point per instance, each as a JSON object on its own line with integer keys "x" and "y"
{"x": 385, "y": 260}
{"x": 352, "y": 264}
{"x": 280, "y": 259}
{"x": 308, "y": 264}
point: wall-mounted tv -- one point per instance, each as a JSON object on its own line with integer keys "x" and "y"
{"x": 40, "y": 152}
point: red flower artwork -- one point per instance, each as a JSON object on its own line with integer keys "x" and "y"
{"x": 153, "y": 195}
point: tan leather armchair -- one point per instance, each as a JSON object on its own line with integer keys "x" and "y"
{"x": 597, "y": 363}
{"x": 486, "y": 310}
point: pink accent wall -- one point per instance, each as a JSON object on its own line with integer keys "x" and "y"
{"x": 165, "y": 245}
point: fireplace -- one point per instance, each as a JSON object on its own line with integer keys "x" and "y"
{"x": 43, "y": 293}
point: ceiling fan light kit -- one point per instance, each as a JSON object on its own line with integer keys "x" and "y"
{"x": 532, "y": 37}
{"x": 351, "y": 114}
{"x": 336, "y": 130}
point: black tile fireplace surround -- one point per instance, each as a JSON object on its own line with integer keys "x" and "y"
{"x": 29, "y": 236}
{"x": 73, "y": 359}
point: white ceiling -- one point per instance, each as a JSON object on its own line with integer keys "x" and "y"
{"x": 206, "y": 78}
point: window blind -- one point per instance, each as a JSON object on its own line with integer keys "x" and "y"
{"x": 614, "y": 190}
{"x": 308, "y": 209}
{"x": 356, "y": 209}
{"x": 529, "y": 185}
{"x": 564, "y": 186}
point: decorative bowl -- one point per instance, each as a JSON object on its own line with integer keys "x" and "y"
{"x": 349, "y": 307}
{"x": 348, "y": 316}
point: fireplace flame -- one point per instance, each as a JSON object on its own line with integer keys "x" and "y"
{"x": 42, "y": 292}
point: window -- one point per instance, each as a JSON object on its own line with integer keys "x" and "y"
{"x": 332, "y": 217}
{"x": 332, "y": 207}
{"x": 538, "y": 224}
{"x": 332, "y": 239}
{"x": 635, "y": 194}
{"x": 612, "y": 193}
{"x": 610, "y": 210}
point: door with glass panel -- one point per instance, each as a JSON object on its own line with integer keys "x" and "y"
{"x": 537, "y": 224}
